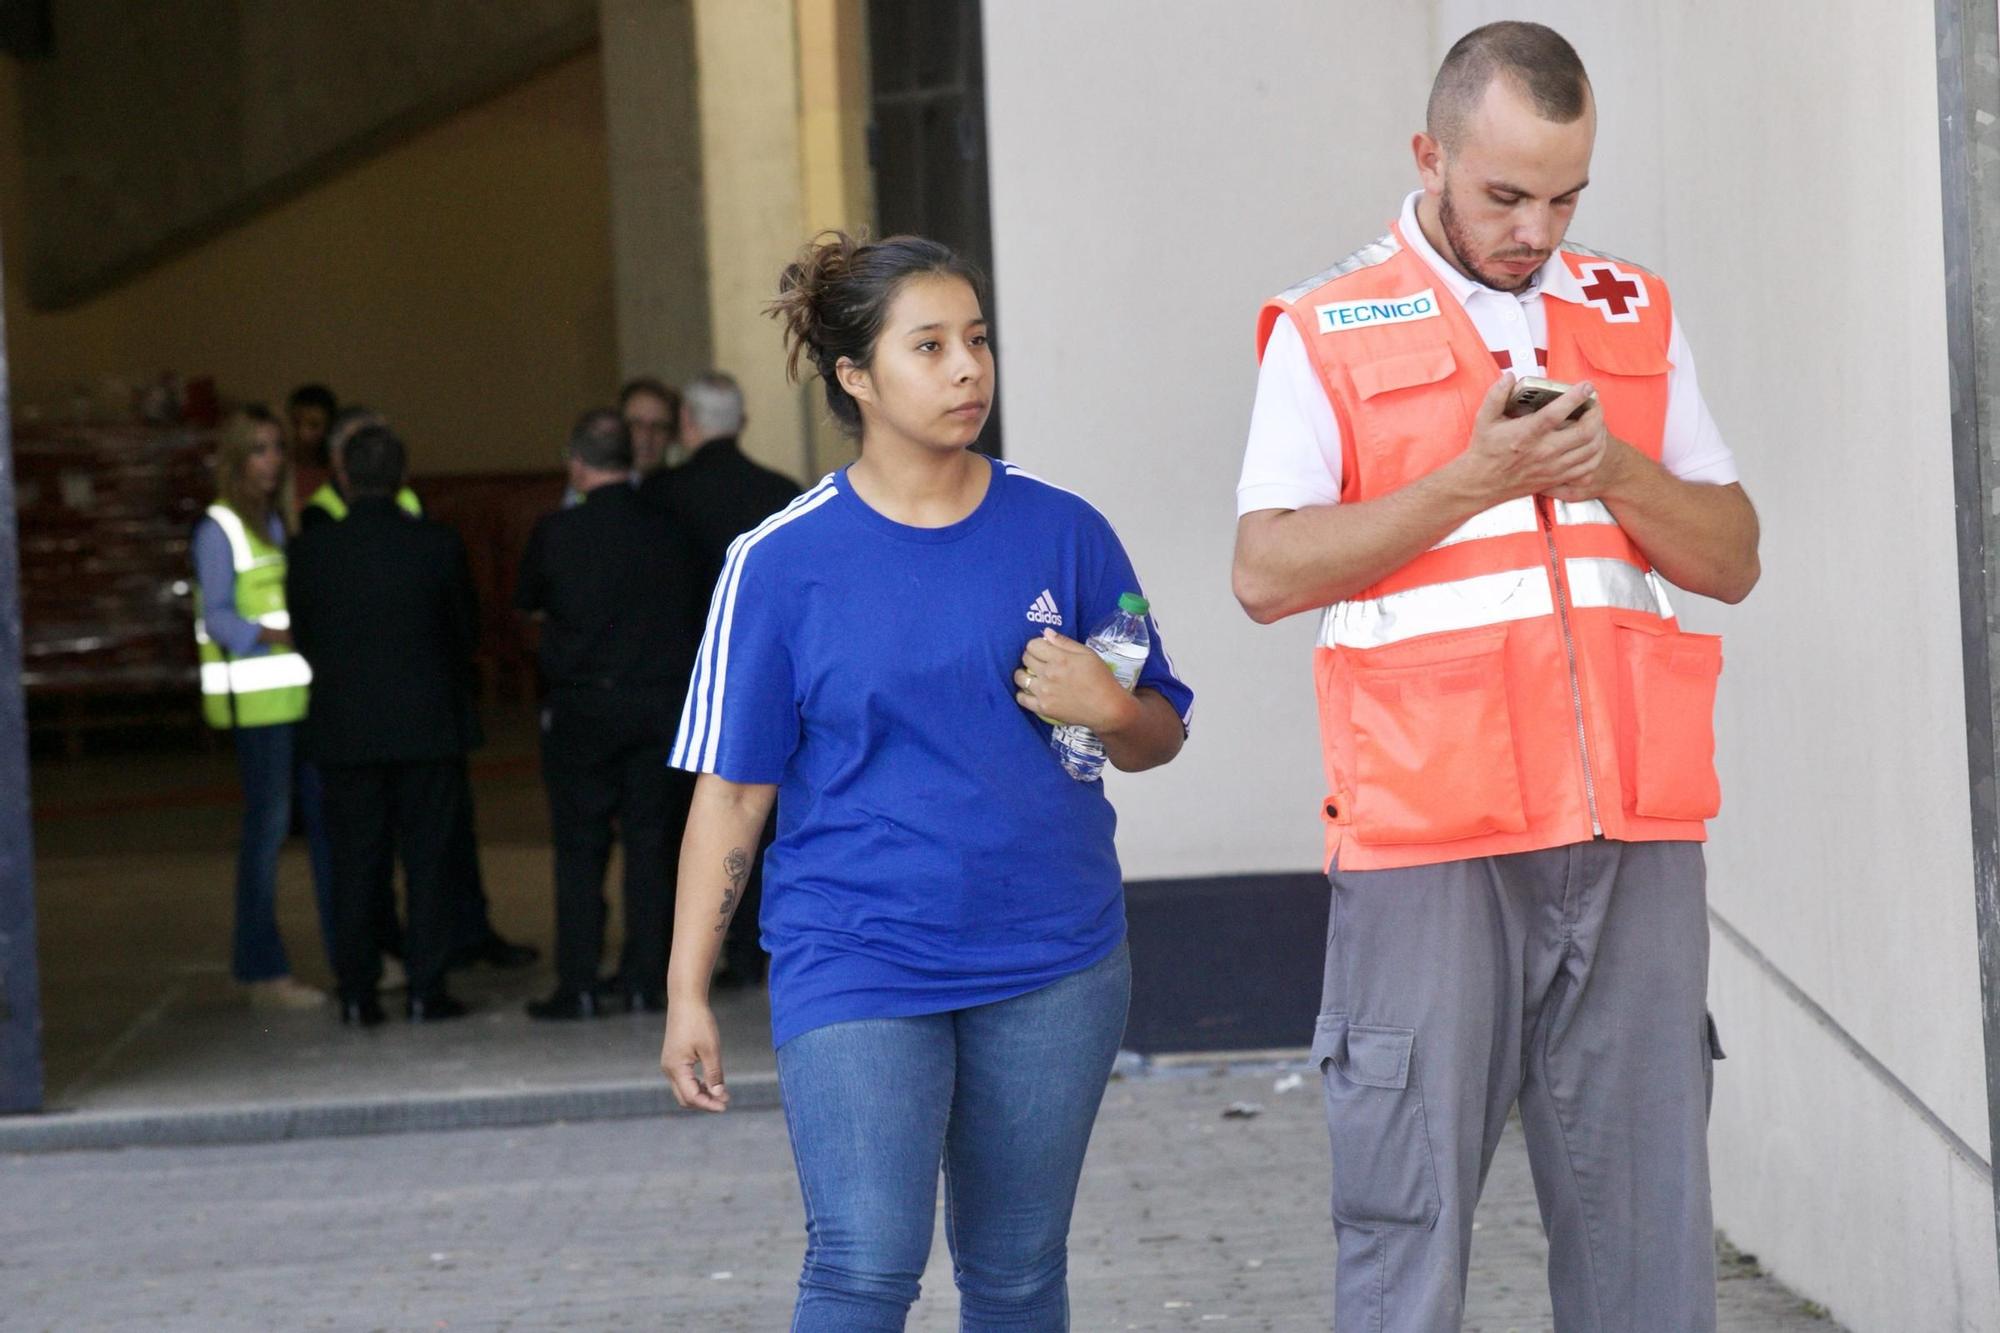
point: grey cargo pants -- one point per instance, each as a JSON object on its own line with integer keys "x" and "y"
{"x": 1572, "y": 980}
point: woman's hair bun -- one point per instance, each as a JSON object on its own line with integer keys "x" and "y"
{"x": 802, "y": 293}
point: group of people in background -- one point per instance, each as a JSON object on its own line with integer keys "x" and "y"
{"x": 336, "y": 626}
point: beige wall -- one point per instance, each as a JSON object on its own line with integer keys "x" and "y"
{"x": 659, "y": 250}
{"x": 461, "y": 281}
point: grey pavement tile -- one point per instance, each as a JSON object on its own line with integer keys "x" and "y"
{"x": 1185, "y": 1221}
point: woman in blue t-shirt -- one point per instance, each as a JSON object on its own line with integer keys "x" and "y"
{"x": 942, "y": 904}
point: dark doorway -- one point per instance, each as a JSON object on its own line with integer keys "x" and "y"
{"x": 927, "y": 133}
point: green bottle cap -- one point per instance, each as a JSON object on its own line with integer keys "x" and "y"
{"x": 1132, "y": 604}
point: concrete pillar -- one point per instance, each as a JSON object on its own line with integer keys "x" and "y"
{"x": 659, "y": 250}
{"x": 753, "y": 202}
{"x": 839, "y": 186}
{"x": 738, "y": 130}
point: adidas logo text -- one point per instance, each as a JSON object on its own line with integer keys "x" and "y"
{"x": 1045, "y": 611}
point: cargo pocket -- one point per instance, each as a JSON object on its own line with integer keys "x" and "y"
{"x": 1711, "y": 1051}
{"x": 1667, "y": 722}
{"x": 1383, "y": 1171}
{"x": 1434, "y": 742}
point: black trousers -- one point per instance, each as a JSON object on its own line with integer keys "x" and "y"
{"x": 373, "y": 812}
{"x": 470, "y": 926}
{"x": 604, "y": 763}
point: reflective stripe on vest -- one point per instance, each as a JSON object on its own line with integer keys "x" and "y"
{"x": 266, "y": 688}
{"x": 1521, "y": 684}
{"x": 335, "y": 504}
{"x": 1494, "y": 598}
{"x": 248, "y": 675}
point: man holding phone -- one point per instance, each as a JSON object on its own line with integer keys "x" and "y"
{"x": 1518, "y": 735}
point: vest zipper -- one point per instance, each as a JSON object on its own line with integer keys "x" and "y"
{"x": 1545, "y": 512}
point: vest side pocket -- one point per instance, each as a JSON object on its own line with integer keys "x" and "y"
{"x": 1666, "y": 722}
{"x": 1433, "y": 741}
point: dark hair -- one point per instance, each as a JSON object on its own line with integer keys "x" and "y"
{"x": 375, "y": 461}
{"x": 834, "y": 297}
{"x": 658, "y": 388}
{"x": 600, "y": 439}
{"x": 314, "y": 395}
{"x": 1538, "y": 59}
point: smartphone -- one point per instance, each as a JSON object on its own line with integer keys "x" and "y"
{"x": 1532, "y": 394}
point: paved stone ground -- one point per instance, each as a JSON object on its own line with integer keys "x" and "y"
{"x": 1186, "y": 1220}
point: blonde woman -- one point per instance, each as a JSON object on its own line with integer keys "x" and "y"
{"x": 252, "y": 683}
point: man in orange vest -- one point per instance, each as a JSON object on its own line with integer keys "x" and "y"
{"x": 1517, "y": 733}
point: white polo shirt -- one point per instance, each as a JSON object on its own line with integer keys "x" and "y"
{"x": 1292, "y": 459}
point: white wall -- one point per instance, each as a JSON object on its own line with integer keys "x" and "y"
{"x": 1141, "y": 211}
{"x": 1162, "y": 165}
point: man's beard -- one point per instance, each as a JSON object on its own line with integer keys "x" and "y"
{"x": 1458, "y": 240}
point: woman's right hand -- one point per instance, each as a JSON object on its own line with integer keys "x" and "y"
{"x": 691, "y": 1057}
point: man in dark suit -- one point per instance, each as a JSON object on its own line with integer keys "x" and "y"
{"x": 715, "y": 496}
{"x": 613, "y": 583}
{"x": 383, "y": 610}
{"x": 472, "y": 937}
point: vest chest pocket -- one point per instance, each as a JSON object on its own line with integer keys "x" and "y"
{"x": 1433, "y": 741}
{"x": 1407, "y": 417}
{"x": 1666, "y": 721}
{"x": 1630, "y": 373}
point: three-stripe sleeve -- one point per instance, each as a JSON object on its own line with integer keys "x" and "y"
{"x": 740, "y": 720}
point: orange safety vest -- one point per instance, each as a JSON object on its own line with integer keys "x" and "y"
{"x": 1522, "y": 684}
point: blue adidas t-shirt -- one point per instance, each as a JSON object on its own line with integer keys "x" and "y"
{"x": 932, "y": 854}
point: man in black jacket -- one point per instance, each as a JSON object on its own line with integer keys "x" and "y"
{"x": 383, "y": 609}
{"x": 612, "y": 581}
{"x": 472, "y": 938}
{"x": 718, "y": 493}
{"x": 715, "y": 496}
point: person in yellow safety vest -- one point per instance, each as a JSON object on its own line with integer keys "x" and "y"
{"x": 1517, "y": 732}
{"x": 252, "y": 683}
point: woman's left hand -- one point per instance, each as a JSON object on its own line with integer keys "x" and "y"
{"x": 1064, "y": 681}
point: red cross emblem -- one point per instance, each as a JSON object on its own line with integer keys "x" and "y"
{"x": 1616, "y": 293}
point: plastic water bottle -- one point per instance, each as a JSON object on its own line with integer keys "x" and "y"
{"x": 1123, "y": 644}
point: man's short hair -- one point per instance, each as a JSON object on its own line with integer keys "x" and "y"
{"x": 314, "y": 395}
{"x": 375, "y": 461}
{"x": 714, "y": 403}
{"x": 646, "y": 384}
{"x": 1539, "y": 61}
{"x": 600, "y": 440}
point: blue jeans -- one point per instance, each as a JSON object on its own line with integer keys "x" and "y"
{"x": 264, "y": 764}
{"x": 311, "y": 790}
{"x": 1004, "y": 1096}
